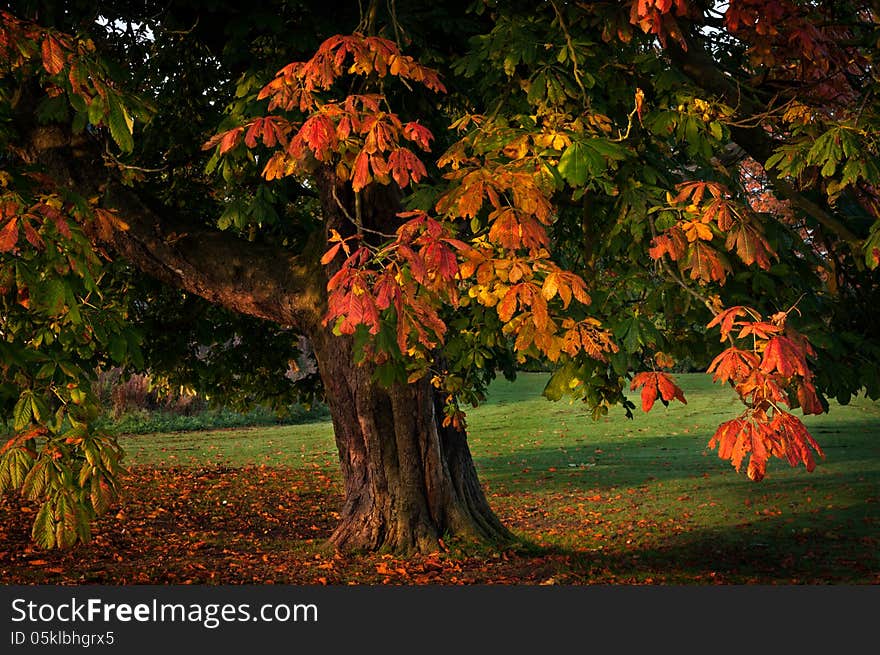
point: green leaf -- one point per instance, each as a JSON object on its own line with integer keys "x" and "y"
{"x": 43, "y": 530}
{"x": 36, "y": 483}
{"x": 14, "y": 466}
{"x": 121, "y": 125}
{"x": 118, "y": 347}
{"x": 576, "y": 163}
{"x": 559, "y": 383}
{"x": 23, "y": 410}
{"x": 51, "y": 296}
{"x": 606, "y": 148}
{"x": 97, "y": 108}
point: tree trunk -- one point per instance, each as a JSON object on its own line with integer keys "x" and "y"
{"x": 408, "y": 481}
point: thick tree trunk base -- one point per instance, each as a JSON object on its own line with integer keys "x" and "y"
{"x": 410, "y": 483}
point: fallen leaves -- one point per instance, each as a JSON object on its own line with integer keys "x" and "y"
{"x": 276, "y": 520}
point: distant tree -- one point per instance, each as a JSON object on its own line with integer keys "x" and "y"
{"x": 429, "y": 194}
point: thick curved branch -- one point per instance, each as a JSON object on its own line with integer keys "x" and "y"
{"x": 250, "y": 278}
{"x": 699, "y": 67}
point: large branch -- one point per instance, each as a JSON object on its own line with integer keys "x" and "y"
{"x": 256, "y": 279}
{"x": 700, "y": 68}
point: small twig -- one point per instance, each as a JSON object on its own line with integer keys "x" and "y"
{"x": 110, "y": 156}
{"x": 570, "y": 44}
{"x": 356, "y": 221}
{"x": 623, "y": 137}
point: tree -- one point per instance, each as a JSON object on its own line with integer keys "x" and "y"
{"x": 431, "y": 195}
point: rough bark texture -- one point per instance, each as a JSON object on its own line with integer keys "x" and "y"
{"x": 408, "y": 481}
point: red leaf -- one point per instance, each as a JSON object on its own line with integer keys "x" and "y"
{"x": 405, "y": 166}
{"x": 229, "y": 139}
{"x": 419, "y": 134}
{"x": 669, "y": 390}
{"x": 53, "y": 56}
{"x": 649, "y": 389}
{"x": 319, "y": 133}
{"x": 782, "y": 355}
{"x": 733, "y": 364}
{"x": 760, "y": 329}
{"x": 796, "y": 440}
{"x": 33, "y": 236}
{"x": 808, "y": 399}
{"x": 9, "y": 235}
{"x": 726, "y": 436}
{"x": 654, "y": 383}
{"x": 672, "y": 243}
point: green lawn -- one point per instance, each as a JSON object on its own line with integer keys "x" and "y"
{"x": 634, "y": 500}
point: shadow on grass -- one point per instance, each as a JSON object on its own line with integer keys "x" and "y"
{"x": 835, "y": 549}
{"x": 632, "y": 461}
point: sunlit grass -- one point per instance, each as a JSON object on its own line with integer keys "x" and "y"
{"x": 643, "y": 498}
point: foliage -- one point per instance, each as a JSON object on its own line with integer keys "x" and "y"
{"x": 595, "y": 185}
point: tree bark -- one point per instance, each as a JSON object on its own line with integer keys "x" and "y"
{"x": 408, "y": 481}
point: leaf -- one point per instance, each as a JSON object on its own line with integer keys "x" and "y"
{"x": 750, "y": 245}
{"x": 121, "y": 124}
{"x": 797, "y": 439}
{"x": 697, "y": 231}
{"x": 550, "y": 286}
{"x": 23, "y": 410}
{"x": 648, "y": 384}
{"x": 9, "y": 235}
{"x": 43, "y": 530}
{"x": 727, "y": 320}
{"x": 576, "y": 163}
{"x": 507, "y": 306}
{"x": 669, "y": 390}
{"x": 405, "y": 166}
{"x": 53, "y": 55}
{"x": 783, "y": 356}
{"x": 705, "y": 263}
{"x": 361, "y": 176}
{"x": 107, "y": 222}
{"x": 331, "y": 254}
{"x": 653, "y": 384}
{"x": 733, "y": 364}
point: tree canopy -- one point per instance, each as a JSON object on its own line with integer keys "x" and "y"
{"x": 431, "y": 195}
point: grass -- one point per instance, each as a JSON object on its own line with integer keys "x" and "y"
{"x": 612, "y": 501}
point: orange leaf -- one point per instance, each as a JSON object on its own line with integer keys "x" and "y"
{"x": 361, "y": 171}
{"x": 733, "y": 364}
{"x": 53, "y": 56}
{"x": 649, "y": 389}
{"x": 727, "y": 319}
{"x": 507, "y": 306}
{"x": 654, "y": 383}
{"x": 782, "y": 355}
{"x": 230, "y": 139}
{"x": 668, "y": 389}
{"x": 9, "y": 235}
{"x": 330, "y": 254}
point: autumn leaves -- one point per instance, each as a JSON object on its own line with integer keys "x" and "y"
{"x": 486, "y": 241}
